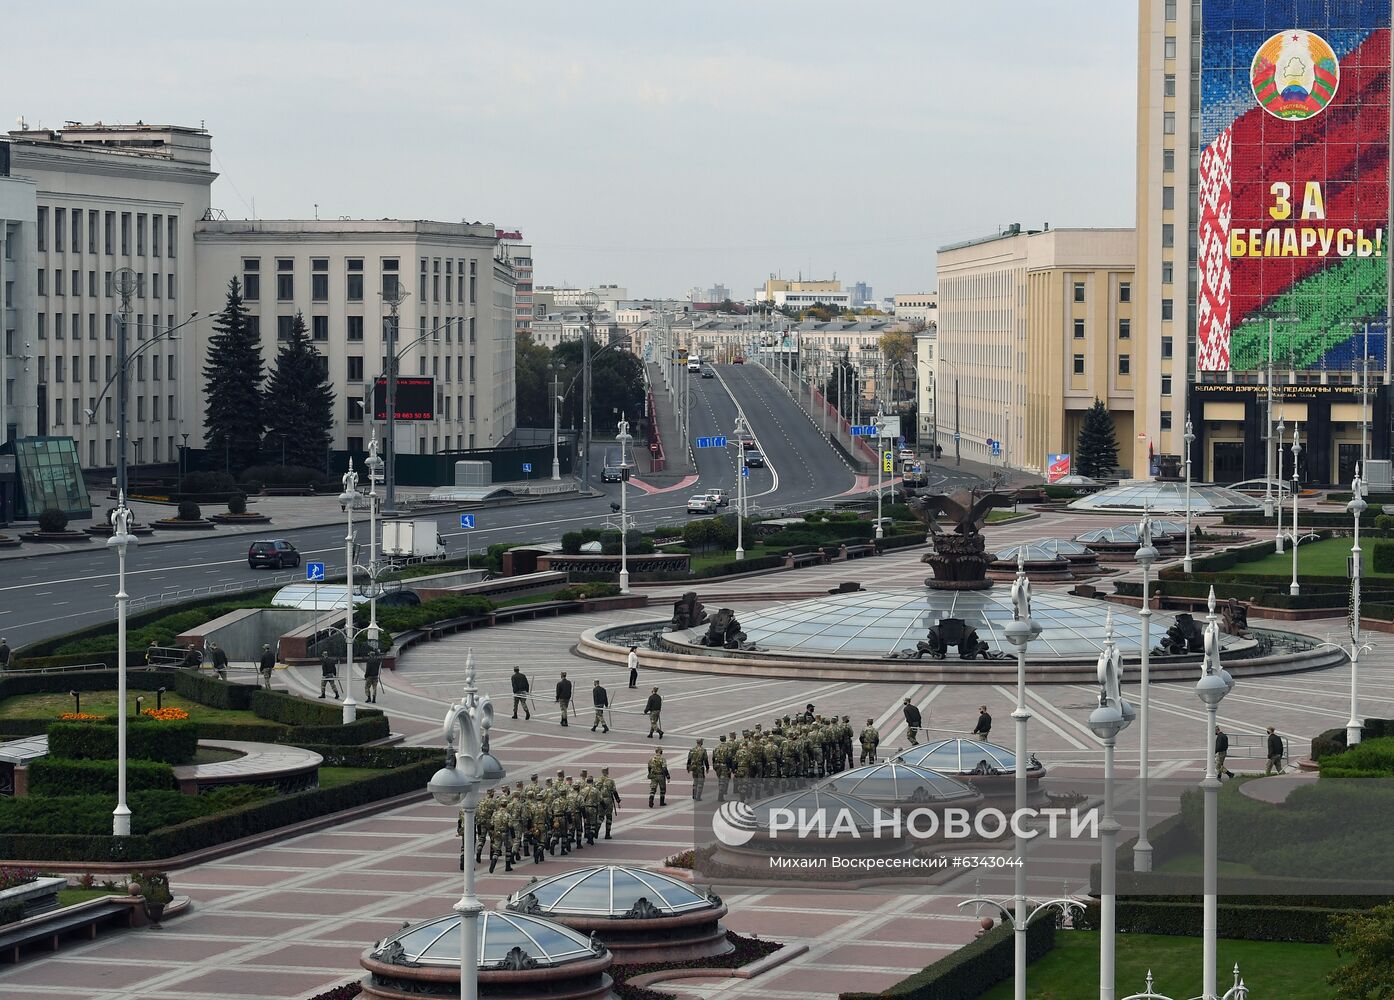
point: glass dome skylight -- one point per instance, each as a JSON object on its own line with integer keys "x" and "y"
{"x": 611, "y": 890}
{"x": 807, "y": 802}
{"x": 1043, "y": 551}
{"x": 1166, "y": 498}
{"x": 437, "y": 942}
{"x": 893, "y": 781}
{"x": 961, "y": 756}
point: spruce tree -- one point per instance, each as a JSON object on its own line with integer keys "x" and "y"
{"x": 299, "y": 402}
{"x": 1096, "y": 454}
{"x": 232, "y": 414}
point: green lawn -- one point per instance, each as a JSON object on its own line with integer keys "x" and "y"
{"x": 69, "y": 897}
{"x": 716, "y": 557}
{"x": 50, "y": 706}
{"x": 1324, "y": 558}
{"x": 333, "y": 777}
{"x": 1192, "y": 864}
{"x": 215, "y": 755}
{"x": 1270, "y": 968}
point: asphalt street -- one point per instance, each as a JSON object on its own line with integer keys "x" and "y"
{"x": 58, "y": 592}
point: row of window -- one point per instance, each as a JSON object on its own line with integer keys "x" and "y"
{"x": 1125, "y": 291}
{"x": 79, "y": 417}
{"x": 353, "y": 370}
{"x": 1125, "y": 367}
{"x": 454, "y": 284}
{"x": 1125, "y": 329}
{"x": 71, "y": 326}
{"x": 138, "y": 443}
{"x": 146, "y": 228}
{"x": 61, "y": 368}
{"x": 353, "y": 328}
{"x": 160, "y": 285}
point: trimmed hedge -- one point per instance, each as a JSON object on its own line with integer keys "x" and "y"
{"x": 972, "y": 970}
{"x": 81, "y": 817}
{"x": 56, "y": 776}
{"x": 1333, "y": 741}
{"x": 402, "y": 618}
{"x": 1309, "y": 519}
{"x": 900, "y": 541}
{"x": 212, "y": 692}
{"x": 161, "y": 624}
{"x": 1370, "y": 758}
{"x": 581, "y": 591}
{"x": 290, "y": 710}
{"x": 1382, "y": 557}
{"x": 173, "y": 742}
{"x": 1266, "y": 922}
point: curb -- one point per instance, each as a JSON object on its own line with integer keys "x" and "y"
{"x": 749, "y": 971}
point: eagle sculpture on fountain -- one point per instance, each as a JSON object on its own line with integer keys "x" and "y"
{"x": 965, "y": 510}
{"x": 959, "y": 558}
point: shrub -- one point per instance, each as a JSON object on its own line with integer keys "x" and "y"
{"x": 188, "y": 511}
{"x": 170, "y": 742}
{"x": 237, "y": 503}
{"x": 1257, "y": 922}
{"x": 1369, "y": 758}
{"x": 292, "y": 711}
{"x": 284, "y": 475}
{"x": 212, "y": 692}
{"x": 53, "y": 520}
{"x": 581, "y": 591}
{"x": 207, "y": 482}
{"x": 91, "y": 814}
{"x": 972, "y": 970}
{"x": 610, "y": 542}
{"x": 1382, "y": 554}
{"x": 399, "y": 619}
{"x": 56, "y": 776}
{"x": 571, "y": 543}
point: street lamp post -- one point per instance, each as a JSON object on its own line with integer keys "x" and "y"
{"x": 1356, "y": 507}
{"x": 739, "y": 434}
{"x": 1113, "y": 715}
{"x": 1020, "y": 631}
{"x": 623, "y": 439}
{"x": 1146, "y": 556}
{"x": 120, "y": 538}
{"x": 374, "y": 464}
{"x": 556, "y": 422}
{"x": 1188, "y": 437}
{"x": 880, "y": 424}
{"x": 1278, "y": 543}
{"x": 347, "y": 498}
{"x": 1268, "y": 436}
{"x": 471, "y": 770}
{"x": 1215, "y": 682}
{"x": 1295, "y": 588}
{"x": 393, "y": 295}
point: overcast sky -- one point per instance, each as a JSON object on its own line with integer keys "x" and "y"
{"x": 656, "y": 145}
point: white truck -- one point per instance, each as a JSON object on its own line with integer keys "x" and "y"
{"x": 412, "y": 540}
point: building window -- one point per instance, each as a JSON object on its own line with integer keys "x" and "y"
{"x": 1166, "y": 347}
{"x": 60, "y": 219}
{"x": 1169, "y": 48}
{"x": 1167, "y": 308}
{"x": 1166, "y": 420}
{"x": 1168, "y": 235}
{"x": 1079, "y": 291}
{"x": 43, "y": 281}
{"x": 1125, "y": 291}
{"x": 140, "y": 234}
{"x": 473, "y": 266}
{"x": 1168, "y": 161}
{"x": 1166, "y": 385}
{"x": 1079, "y": 329}
{"x": 353, "y": 290}
{"x": 1170, "y": 7}
{"x": 319, "y": 279}
{"x": 59, "y": 288}
{"x": 355, "y": 328}
{"x": 355, "y": 367}
{"x": 172, "y": 227}
{"x": 1125, "y": 329}
{"x": 154, "y": 236}
{"x": 41, "y": 233}
{"x": 284, "y": 325}
{"x": 254, "y": 326}
{"x": 1166, "y": 272}
{"x": 1125, "y": 364}
{"x": 92, "y": 231}
{"x": 285, "y": 279}
{"x": 354, "y": 414}
{"x": 389, "y": 279}
{"x": 251, "y": 279}
{"x": 1169, "y": 85}
{"x": 319, "y": 327}
{"x": 1168, "y": 123}
{"x": 155, "y": 285}
{"x": 1078, "y": 369}
{"x": 1168, "y": 197}
{"x": 109, "y": 233}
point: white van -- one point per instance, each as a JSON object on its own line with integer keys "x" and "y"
{"x": 694, "y": 363}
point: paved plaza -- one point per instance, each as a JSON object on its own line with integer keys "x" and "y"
{"x": 288, "y": 920}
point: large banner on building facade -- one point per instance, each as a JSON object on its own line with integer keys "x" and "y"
{"x": 1294, "y": 183}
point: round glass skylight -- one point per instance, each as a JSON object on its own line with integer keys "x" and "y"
{"x": 611, "y": 891}
{"x": 893, "y": 781}
{"x": 1166, "y": 498}
{"x": 961, "y": 756}
{"x": 437, "y": 942}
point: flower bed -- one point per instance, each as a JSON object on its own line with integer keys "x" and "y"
{"x": 170, "y": 714}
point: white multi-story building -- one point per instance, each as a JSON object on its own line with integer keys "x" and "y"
{"x": 18, "y": 411}
{"x": 918, "y": 307}
{"x": 455, "y": 322}
{"x": 519, "y": 257}
{"x": 109, "y": 197}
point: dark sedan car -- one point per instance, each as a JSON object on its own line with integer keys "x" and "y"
{"x": 754, "y": 460}
{"x": 274, "y": 552}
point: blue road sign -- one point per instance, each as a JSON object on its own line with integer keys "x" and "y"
{"x": 956, "y": 437}
{"x": 711, "y": 442}
{"x": 745, "y": 472}
{"x": 916, "y": 469}
{"x": 996, "y": 447}
{"x": 527, "y": 466}
{"x": 467, "y": 520}
{"x": 314, "y": 572}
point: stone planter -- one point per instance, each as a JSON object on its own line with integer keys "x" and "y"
{"x": 174, "y": 524}
{"x": 37, "y": 896}
{"x": 53, "y": 536}
{"x": 105, "y": 530}
{"x": 229, "y": 518}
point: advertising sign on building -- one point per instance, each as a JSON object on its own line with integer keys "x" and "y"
{"x": 1293, "y": 184}
{"x": 416, "y": 398}
{"x": 1057, "y": 467}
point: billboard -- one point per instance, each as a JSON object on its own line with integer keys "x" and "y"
{"x": 416, "y": 398}
{"x": 1057, "y": 467}
{"x": 1293, "y": 183}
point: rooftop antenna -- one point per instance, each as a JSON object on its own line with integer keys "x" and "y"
{"x": 316, "y": 211}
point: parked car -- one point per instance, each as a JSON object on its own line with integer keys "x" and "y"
{"x": 754, "y": 460}
{"x": 907, "y": 455}
{"x": 748, "y": 443}
{"x": 739, "y": 359}
{"x": 708, "y": 373}
{"x": 722, "y": 498}
{"x": 274, "y": 552}
{"x": 703, "y": 504}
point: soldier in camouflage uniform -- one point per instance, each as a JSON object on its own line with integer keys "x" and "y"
{"x": 771, "y": 764}
{"x": 591, "y": 803}
{"x": 719, "y": 765}
{"x": 658, "y": 778}
{"x": 609, "y": 799}
{"x": 501, "y": 835}
{"x": 789, "y": 757}
{"x": 698, "y": 764}
{"x": 537, "y": 824}
{"x": 482, "y": 815}
{"x": 749, "y": 765}
{"x": 522, "y": 822}
{"x": 556, "y": 812}
{"x": 571, "y": 814}
{"x": 870, "y": 740}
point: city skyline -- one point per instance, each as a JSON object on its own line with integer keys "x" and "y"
{"x": 666, "y": 106}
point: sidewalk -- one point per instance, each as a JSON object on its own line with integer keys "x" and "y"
{"x": 679, "y": 464}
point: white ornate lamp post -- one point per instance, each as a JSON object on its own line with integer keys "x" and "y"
{"x": 556, "y": 420}
{"x": 472, "y": 770}
{"x": 1113, "y": 715}
{"x": 1188, "y": 437}
{"x": 374, "y": 464}
{"x": 880, "y": 425}
{"x": 347, "y": 499}
{"x": 1215, "y": 682}
{"x": 1295, "y": 589}
{"x": 1356, "y": 507}
{"x": 1278, "y": 544}
{"x": 623, "y": 438}
{"x": 120, "y": 538}
{"x": 1020, "y": 631}
{"x": 739, "y": 434}
{"x": 1146, "y": 556}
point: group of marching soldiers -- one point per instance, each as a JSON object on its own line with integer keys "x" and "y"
{"x": 762, "y": 761}
{"x": 562, "y": 813}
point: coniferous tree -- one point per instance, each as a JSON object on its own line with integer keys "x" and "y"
{"x": 233, "y": 416}
{"x": 1096, "y": 454}
{"x": 299, "y": 402}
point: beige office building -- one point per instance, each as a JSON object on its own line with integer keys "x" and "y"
{"x": 1032, "y": 328}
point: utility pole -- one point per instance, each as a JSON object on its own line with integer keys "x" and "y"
{"x": 1268, "y": 434}
{"x": 556, "y": 425}
{"x": 125, "y": 279}
{"x": 393, "y": 298}
{"x": 589, "y": 302}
